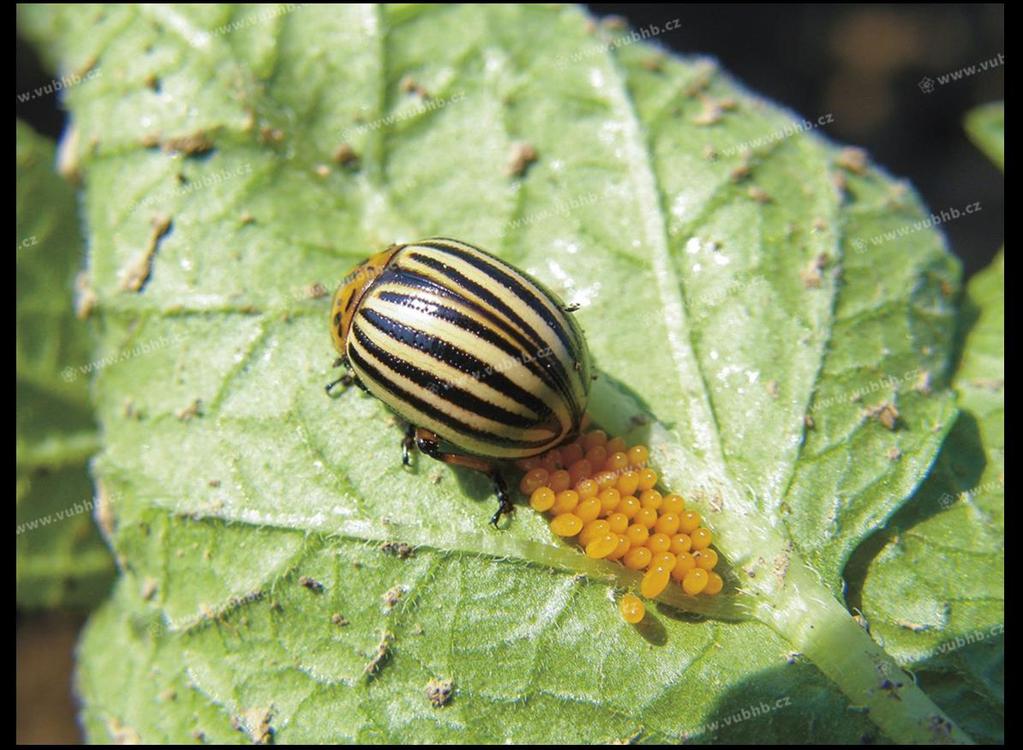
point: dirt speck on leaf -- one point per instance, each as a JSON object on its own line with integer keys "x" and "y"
{"x": 886, "y": 413}
{"x": 104, "y": 509}
{"x": 614, "y": 23}
{"x": 310, "y": 583}
{"x": 191, "y": 411}
{"x": 189, "y": 145}
{"x": 923, "y": 383}
{"x": 345, "y": 156}
{"x": 853, "y": 160}
{"x": 149, "y": 587}
{"x": 399, "y": 549}
{"x": 740, "y": 173}
{"x": 268, "y": 134}
{"x": 255, "y": 722}
{"x": 122, "y": 734}
{"x": 392, "y": 596}
{"x": 916, "y": 627}
{"x": 653, "y": 63}
{"x": 811, "y": 274}
{"x": 523, "y": 154}
{"x": 135, "y": 275}
{"x": 85, "y": 296}
{"x": 409, "y": 85}
{"x": 382, "y": 651}
{"x": 68, "y": 161}
{"x": 316, "y": 291}
{"x": 439, "y": 692}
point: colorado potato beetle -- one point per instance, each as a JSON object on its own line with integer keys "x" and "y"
{"x": 481, "y": 361}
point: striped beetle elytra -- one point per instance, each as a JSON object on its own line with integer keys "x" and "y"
{"x": 468, "y": 350}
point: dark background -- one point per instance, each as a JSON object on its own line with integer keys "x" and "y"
{"x": 860, "y": 63}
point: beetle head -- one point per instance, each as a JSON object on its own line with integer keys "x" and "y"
{"x": 350, "y": 292}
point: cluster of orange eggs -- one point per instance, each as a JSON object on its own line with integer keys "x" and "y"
{"x": 602, "y": 492}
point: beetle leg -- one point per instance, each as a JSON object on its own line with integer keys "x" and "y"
{"x": 428, "y": 443}
{"x": 345, "y": 380}
{"x": 407, "y": 443}
{"x": 501, "y": 489}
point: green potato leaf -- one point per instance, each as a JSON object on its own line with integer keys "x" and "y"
{"x": 763, "y": 308}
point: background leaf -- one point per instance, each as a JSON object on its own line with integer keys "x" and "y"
{"x": 949, "y": 628}
{"x": 61, "y": 560}
{"x": 740, "y": 291}
{"x": 986, "y": 126}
